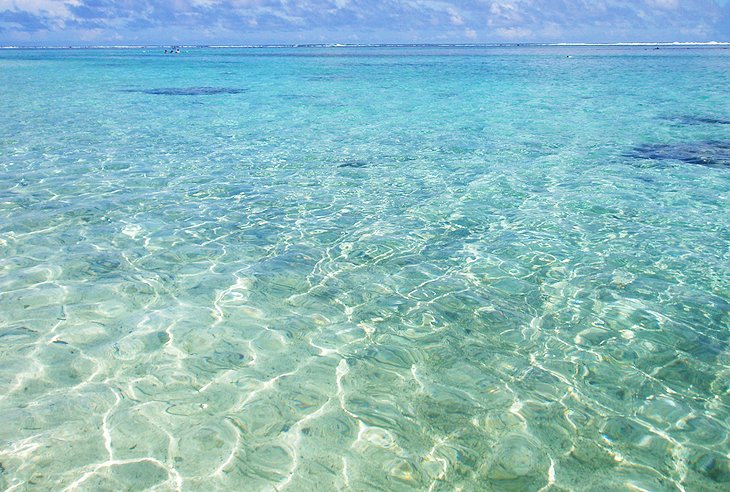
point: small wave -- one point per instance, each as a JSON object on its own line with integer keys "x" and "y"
{"x": 673, "y": 43}
{"x": 188, "y": 91}
{"x": 697, "y": 120}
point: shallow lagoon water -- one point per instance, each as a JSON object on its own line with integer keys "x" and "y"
{"x": 365, "y": 269}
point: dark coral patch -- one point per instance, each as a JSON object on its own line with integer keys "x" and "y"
{"x": 356, "y": 164}
{"x": 189, "y": 91}
{"x": 697, "y": 120}
{"x": 710, "y": 153}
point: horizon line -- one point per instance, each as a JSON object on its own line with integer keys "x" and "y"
{"x": 368, "y": 45}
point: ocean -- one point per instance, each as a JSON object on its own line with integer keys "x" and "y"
{"x": 365, "y": 268}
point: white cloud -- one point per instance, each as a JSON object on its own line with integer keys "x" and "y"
{"x": 513, "y": 33}
{"x": 663, "y": 4}
{"x": 505, "y": 12}
{"x": 455, "y": 17}
{"x": 48, "y": 8}
{"x": 375, "y": 20}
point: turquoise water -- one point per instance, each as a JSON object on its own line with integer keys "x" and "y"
{"x": 365, "y": 269}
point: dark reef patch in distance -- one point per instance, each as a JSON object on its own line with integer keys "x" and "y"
{"x": 355, "y": 164}
{"x": 696, "y": 120}
{"x": 189, "y": 91}
{"x": 708, "y": 153}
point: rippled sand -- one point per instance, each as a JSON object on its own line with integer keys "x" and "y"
{"x": 380, "y": 270}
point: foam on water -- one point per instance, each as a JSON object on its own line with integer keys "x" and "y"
{"x": 375, "y": 269}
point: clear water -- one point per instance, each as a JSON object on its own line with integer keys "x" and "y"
{"x": 365, "y": 269}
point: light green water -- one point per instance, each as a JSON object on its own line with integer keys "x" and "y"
{"x": 365, "y": 269}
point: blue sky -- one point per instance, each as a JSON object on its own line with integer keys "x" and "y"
{"x": 63, "y": 22}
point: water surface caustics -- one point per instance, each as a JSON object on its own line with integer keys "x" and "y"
{"x": 365, "y": 269}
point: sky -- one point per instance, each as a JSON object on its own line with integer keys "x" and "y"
{"x": 113, "y": 22}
